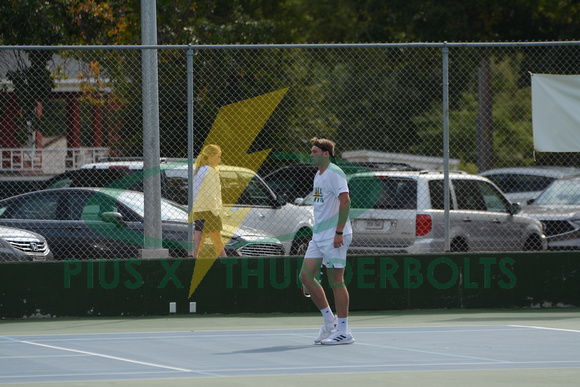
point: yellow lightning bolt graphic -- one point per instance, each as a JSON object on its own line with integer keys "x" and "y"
{"x": 234, "y": 130}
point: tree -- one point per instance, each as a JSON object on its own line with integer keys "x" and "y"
{"x": 479, "y": 20}
{"x": 37, "y": 22}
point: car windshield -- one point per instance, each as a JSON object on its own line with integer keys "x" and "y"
{"x": 383, "y": 192}
{"x": 561, "y": 192}
{"x": 169, "y": 210}
{"x": 513, "y": 182}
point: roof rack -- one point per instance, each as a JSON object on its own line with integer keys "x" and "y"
{"x": 425, "y": 171}
{"x": 129, "y": 159}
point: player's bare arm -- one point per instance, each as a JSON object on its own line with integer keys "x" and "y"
{"x": 343, "y": 211}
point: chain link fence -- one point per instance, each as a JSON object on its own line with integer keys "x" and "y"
{"x": 72, "y": 122}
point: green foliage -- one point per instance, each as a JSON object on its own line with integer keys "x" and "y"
{"x": 512, "y": 122}
{"x": 334, "y": 93}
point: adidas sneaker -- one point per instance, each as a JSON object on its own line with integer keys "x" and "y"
{"x": 338, "y": 337}
{"x": 326, "y": 331}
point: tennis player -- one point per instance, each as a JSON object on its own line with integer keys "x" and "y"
{"x": 331, "y": 236}
{"x": 207, "y": 204}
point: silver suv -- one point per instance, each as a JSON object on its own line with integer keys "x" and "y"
{"x": 403, "y": 212}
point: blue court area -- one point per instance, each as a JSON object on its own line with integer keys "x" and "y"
{"x": 530, "y": 347}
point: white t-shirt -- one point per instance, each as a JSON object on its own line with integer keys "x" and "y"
{"x": 327, "y": 187}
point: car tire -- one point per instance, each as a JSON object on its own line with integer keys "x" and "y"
{"x": 533, "y": 243}
{"x": 300, "y": 243}
{"x": 459, "y": 246}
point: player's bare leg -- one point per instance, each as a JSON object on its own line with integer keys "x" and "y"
{"x": 198, "y": 239}
{"x": 310, "y": 267}
{"x": 342, "y": 334}
{"x": 341, "y": 295}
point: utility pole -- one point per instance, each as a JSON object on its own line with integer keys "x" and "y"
{"x": 153, "y": 244}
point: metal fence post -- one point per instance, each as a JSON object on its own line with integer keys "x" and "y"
{"x": 190, "y": 141}
{"x": 445, "y": 61}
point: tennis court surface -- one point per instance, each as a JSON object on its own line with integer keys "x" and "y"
{"x": 524, "y": 347}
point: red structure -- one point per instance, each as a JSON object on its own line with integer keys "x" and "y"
{"x": 8, "y": 125}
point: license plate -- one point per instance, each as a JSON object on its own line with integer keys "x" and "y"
{"x": 374, "y": 224}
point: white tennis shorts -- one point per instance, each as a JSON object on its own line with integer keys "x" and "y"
{"x": 331, "y": 257}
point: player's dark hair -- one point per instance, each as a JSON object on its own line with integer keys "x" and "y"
{"x": 324, "y": 144}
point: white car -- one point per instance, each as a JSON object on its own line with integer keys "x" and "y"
{"x": 251, "y": 203}
{"x": 524, "y": 184}
{"x": 28, "y": 245}
{"x": 257, "y": 206}
{"x": 558, "y": 208}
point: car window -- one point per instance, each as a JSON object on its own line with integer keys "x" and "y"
{"x": 479, "y": 196}
{"x": 436, "y": 192}
{"x": 42, "y": 207}
{"x": 136, "y": 202}
{"x": 513, "y": 182}
{"x": 292, "y": 182}
{"x": 383, "y": 193}
{"x": 561, "y": 192}
{"x": 231, "y": 187}
{"x": 64, "y": 182}
{"x": 468, "y": 195}
{"x": 112, "y": 178}
{"x": 255, "y": 193}
{"x": 88, "y": 206}
{"x": 494, "y": 201}
{"x": 177, "y": 189}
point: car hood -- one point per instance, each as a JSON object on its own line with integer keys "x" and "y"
{"x": 16, "y": 233}
{"x": 551, "y": 212}
{"x": 246, "y": 233}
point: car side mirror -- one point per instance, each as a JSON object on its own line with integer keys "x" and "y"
{"x": 530, "y": 201}
{"x": 299, "y": 201}
{"x": 515, "y": 208}
{"x": 278, "y": 201}
{"x": 282, "y": 200}
{"x": 113, "y": 217}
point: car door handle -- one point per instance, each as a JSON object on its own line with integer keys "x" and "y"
{"x": 466, "y": 219}
{"x": 497, "y": 221}
{"x": 261, "y": 215}
{"x": 73, "y": 229}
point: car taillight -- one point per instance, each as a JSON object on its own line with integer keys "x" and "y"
{"x": 423, "y": 225}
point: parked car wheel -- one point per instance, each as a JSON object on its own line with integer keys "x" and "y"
{"x": 459, "y": 246}
{"x": 301, "y": 241}
{"x": 534, "y": 243}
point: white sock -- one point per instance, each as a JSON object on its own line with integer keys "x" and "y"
{"x": 328, "y": 315}
{"x": 343, "y": 324}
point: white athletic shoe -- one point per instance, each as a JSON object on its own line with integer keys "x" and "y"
{"x": 338, "y": 337}
{"x": 326, "y": 331}
{"x": 305, "y": 292}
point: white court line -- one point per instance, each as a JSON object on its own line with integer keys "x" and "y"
{"x": 40, "y": 356}
{"x": 545, "y": 328}
{"x": 461, "y": 366}
{"x": 111, "y": 357}
{"x": 44, "y": 377}
{"x": 242, "y": 333}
